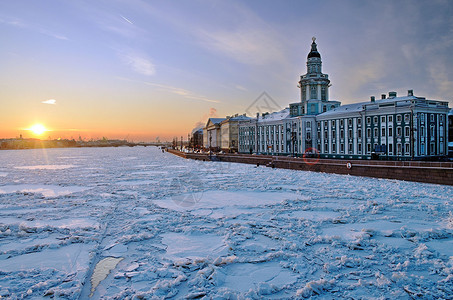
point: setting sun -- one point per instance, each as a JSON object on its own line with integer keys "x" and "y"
{"x": 38, "y": 129}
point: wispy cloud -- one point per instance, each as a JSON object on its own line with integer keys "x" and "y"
{"x": 246, "y": 45}
{"x": 139, "y": 63}
{"x": 175, "y": 90}
{"x": 249, "y": 39}
{"x": 241, "y": 88}
{"x": 32, "y": 27}
{"x": 182, "y": 92}
{"x": 50, "y": 101}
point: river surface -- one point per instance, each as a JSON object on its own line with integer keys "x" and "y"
{"x": 78, "y": 223}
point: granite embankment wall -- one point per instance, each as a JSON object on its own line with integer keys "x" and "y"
{"x": 428, "y": 172}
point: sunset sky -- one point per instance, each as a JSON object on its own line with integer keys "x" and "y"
{"x": 138, "y": 70}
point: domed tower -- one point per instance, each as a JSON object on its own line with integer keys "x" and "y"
{"x": 314, "y": 85}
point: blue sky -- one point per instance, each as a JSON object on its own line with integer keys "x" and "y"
{"x": 141, "y": 69}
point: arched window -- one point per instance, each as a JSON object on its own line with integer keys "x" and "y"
{"x": 313, "y": 92}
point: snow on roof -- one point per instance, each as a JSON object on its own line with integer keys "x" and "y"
{"x": 347, "y": 108}
{"x": 216, "y": 120}
{"x": 240, "y": 118}
{"x": 197, "y": 129}
{"x": 357, "y": 107}
{"x": 278, "y": 115}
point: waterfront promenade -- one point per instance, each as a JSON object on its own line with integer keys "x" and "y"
{"x": 418, "y": 171}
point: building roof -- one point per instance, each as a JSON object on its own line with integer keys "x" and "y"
{"x": 197, "y": 130}
{"x": 278, "y": 115}
{"x": 240, "y": 118}
{"x": 216, "y": 120}
{"x": 357, "y": 107}
{"x": 343, "y": 109}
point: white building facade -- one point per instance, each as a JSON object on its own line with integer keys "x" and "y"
{"x": 392, "y": 127}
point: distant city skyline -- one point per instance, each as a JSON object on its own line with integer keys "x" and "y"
{"x": 139, "y": 70}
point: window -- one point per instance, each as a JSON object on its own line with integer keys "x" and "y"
{"x": 359, "y": 121}
{"x": 441, "y": 118}
{"x": 407, "y": 131}
{"x": 350, "y": 148}
{"x": 368, "y": 148}
{"x": 398, "y": 148}
{"x": 407, "y": 148}
{"x": 376, "y": 132}
{"x": 422, "y": 131}
{"x": 368, "y": 132}
{"x": 368, "y": 120}
{"x": 383, "y": 131}
{"x": 406, "y": 118}
{"x": 399, "y": 118}
{"x": 325, "y": 135}
{"x": 312, "y": 108}
{"x": 383, "y": 119}
{"x": 390, "y": 119}
{"x": 390, "y": 148}
{"x": 359, "y": 148}
{"x": 326, "y": 147}
{"x": 342, "y": 148}
{"x": 375, "y": 120}
{"x": 333, "y": 148}
{"x": 350, "y": 122}
{"x": 398, "y": 131}
{"x": 422, "y": 117}
{"x": 431, "y": 146}
{"x": 308, "y": 123}
{"x": 324, "y": 108}
{"x": 390, "y": 131}
{"x": 431, "y": 129}
{"x": 341, "y": 122}
{"x": 342, "y": 134}
{"x": 308, "y": 135}
{"x": 323, "y": 93}
{"x": 350, "y": 134}
{"x": 325, "y": 124}
{"x": 422, "y": 148}
{"x": 431, "y": 117}
{"x": 319, "y": 125}
{"x": 313, "y": 92}
{"x": 359, "y": 133}
{"x": 333, "y": 134}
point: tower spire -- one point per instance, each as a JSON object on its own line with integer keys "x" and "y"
{"x": 314, "y": 84}
{"x": 314, "y": 50}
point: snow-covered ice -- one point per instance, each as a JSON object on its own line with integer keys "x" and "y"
{"x": 117, "y": 223}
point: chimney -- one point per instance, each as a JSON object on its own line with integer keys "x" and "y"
{"x": 410, "y": 92}
{"x": 257, "y": 115}
{"x": 392, "y": 94}
{"x": 373, "y": 99}
{"x": 383, "y": 96}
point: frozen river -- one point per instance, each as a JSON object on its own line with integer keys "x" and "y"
{"x": 122, "y": 222}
